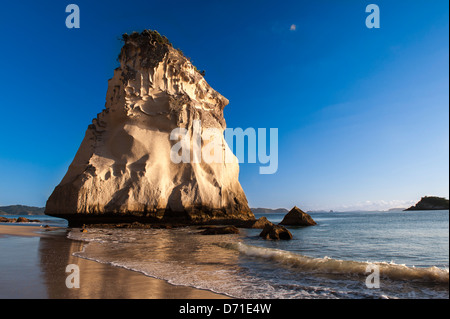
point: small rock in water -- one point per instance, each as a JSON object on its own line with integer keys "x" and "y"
{"x": 297, "y": 217}
{"x": 261, "y": 223}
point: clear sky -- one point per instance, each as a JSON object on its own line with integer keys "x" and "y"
{"x": 362, "y": 114}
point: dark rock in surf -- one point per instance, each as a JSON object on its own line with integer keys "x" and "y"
{"x": 260, "y": 223}
{"x": 275, "y": 232}
{"x": 18, "y": 220}
{"x": 220, "y": 230}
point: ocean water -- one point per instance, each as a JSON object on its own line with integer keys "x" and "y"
{"x": 330, "y": 260}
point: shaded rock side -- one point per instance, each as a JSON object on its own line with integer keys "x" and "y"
{"x": 297, "y": 217}
{"x": 123, "y": 170}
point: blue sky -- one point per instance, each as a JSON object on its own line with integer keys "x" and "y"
{"x": 362, "y": 114}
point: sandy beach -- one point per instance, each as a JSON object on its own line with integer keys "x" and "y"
{"x": 33, "y": 265}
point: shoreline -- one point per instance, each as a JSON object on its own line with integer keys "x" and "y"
{"x": 45, "y": 268}
{"x": 22, "y": 230}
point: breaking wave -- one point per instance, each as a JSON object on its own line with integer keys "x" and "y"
{"x": 328, "y": 265}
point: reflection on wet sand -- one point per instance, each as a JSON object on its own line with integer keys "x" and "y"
{"x": 101, "y": 281}
{"x": 182, "y": 255}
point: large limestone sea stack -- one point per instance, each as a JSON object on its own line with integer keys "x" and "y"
{"x": 123, "y": 171}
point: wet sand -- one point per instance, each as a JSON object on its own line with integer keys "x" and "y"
{"x": 33, "y": 265}
{"x": 20, "y": 230}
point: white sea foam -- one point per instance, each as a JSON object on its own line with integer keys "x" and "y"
{"x": 336, "y": 266}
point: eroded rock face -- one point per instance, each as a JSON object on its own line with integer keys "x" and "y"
{"x": 123, "y": 170}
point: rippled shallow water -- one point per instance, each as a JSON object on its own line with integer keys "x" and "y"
{"x": 324, "y": 261}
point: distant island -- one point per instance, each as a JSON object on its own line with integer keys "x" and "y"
{"x": 396, "y": 209}
{"x": 21, "y": 210}
{"x": 430, "y": 203}
{"x": 269, "y": 210}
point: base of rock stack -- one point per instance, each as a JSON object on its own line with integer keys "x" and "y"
{"x": 164, "y": 217}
